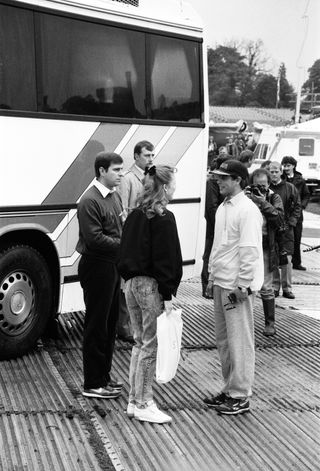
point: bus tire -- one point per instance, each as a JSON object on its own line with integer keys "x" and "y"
{"x": 26, "y": 299}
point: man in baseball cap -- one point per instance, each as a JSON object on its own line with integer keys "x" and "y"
{"x": 235, "y": 273}
{"x": 233, "y": 168}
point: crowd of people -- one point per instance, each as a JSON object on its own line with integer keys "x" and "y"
{"x": 131, "y": 267}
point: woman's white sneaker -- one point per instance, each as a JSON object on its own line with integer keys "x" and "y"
{"x": 130, "y": 410}
{"x": 152, "y": 414}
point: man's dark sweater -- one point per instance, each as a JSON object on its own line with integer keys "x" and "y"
{"x": 151, "y": 247}
{"x": 99, "y": 225}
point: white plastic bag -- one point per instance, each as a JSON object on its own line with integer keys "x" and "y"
{"x": 169, "y": 334}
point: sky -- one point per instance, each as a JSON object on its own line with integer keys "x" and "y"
{"x": 289, "y": 29}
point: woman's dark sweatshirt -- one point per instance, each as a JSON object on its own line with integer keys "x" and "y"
{"x": 151, "y": 247}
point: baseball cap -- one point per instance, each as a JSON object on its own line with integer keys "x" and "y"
{"x": 232, "y": 167}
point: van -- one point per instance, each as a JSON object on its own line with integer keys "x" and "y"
{"x": 301, "y": 141}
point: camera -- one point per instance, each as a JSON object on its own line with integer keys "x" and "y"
{"x": 257, "y": 190}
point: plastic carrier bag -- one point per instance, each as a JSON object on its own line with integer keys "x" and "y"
{"x": 169, "y": 334}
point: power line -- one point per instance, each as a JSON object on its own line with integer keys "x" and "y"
{"x": 306, "y": 18}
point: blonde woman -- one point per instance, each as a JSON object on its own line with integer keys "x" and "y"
{"x": 151, "y": 264}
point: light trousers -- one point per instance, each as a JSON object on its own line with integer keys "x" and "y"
{"x": 235, "y": 342}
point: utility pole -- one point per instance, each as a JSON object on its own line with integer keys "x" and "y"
{"x": 298, "y": 99}
{"x": 278, "y": 87}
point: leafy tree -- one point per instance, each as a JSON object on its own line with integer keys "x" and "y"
{"x": 266, "y": 90}
{"x": 226, "y": 71}
{"x": 254, "y": 56}
{"x": 286, "y": 90}
{"x": 313, "y": 82}
{"x": 238, "y": 72}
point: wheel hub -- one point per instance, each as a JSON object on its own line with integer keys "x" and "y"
{"x": 16, "y": 302}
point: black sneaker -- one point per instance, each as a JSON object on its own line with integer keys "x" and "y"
{"x": 214, "y": 401}
{"x": 102, "y": 393}
{"x": 126, "y": 338}
{"x": 233, "y": 406}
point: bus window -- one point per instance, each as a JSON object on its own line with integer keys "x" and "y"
{"x": 17, "y": 61}
{"x": 306, "y": 146}
{"x": 91, "y": 69}
{"x": 174, "y": 73}
{"x": 260, "y": 151}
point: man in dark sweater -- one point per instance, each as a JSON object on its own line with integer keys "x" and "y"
{"x": 213, "y": 199}
{"x": 291, "y": 175}
{"x": 100, "y": 228}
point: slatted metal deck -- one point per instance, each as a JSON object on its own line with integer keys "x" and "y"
{"x": 45, "y": 423}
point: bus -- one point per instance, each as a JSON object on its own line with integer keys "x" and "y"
{"x": 78, "y": 77}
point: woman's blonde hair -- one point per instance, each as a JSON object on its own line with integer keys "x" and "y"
{"x": 154, "y": 199}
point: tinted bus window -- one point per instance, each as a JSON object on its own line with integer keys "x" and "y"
{"x": 17, "y": 59}
{"x": 306, "y": 146}
{"x": 91, "y": 69}
{"x": 175, "y": 81}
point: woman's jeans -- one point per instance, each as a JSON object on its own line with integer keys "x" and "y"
{"x": 145, "y": 304}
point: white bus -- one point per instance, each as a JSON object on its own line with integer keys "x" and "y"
{"x": 78, "y": 77}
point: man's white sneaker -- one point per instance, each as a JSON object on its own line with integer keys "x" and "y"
{"x": 130, "y": 410}
{"x": 152, "y": 414}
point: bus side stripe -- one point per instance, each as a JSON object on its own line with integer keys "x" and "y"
{"x": 177, "y": 145}
{"x": 106, "y": 138}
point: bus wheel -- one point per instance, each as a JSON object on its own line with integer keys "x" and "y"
{"x": 25, "y": 299}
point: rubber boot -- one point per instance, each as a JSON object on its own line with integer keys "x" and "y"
{"x": 269, "y": 316}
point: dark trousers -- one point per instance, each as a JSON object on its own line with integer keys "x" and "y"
{"x": 100, "y": 283}
{"x": 296, "y": 258}
{"x": 205, "y": 258}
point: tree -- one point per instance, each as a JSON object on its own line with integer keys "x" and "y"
{"x": 226, "y": 71}
{"x": 238, "y": 72}
{"x": 266, "y": 90}
{"x": 313, "y": 82}
{"x": 253, "y": 53}
{"x": 255, "y": 58}
{"x": 286, "y": 90}
{"x": 312, "y": 87}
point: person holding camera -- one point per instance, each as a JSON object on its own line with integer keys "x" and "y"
{"x": 235, "y": 273}
{"x": 271, "y": 208}
{"x": 292, "y": 211}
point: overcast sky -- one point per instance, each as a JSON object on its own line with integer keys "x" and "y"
{"x": 278, "y": 23}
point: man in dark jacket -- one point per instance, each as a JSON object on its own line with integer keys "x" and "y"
{"x": 213, "y": 199}
{"x": 271, "y": 208}
{"x": 291, "y": 175}
{"x": 292, "y": 212}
